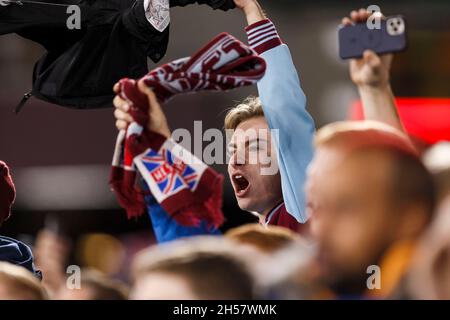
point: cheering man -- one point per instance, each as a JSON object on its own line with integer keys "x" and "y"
{"x": 275, "y": 195}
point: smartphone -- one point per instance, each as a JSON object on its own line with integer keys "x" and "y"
{"x": 389, "y": 38}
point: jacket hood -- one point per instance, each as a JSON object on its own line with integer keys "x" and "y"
{"x": 18, "y": 253}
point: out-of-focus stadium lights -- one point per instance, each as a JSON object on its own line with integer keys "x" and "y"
{"x": 427, "y": 119}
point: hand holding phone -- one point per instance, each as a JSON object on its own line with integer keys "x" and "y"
{"x": 390, "y": 37}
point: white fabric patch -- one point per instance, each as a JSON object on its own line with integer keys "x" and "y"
{"x": 157, "y": 13}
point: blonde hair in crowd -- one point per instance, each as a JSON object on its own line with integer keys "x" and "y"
{"x": 250, "y": 108}
{"x": 268, "y": 239}
{"x": 354, "y": 135}
{"x": 19, "y": 279}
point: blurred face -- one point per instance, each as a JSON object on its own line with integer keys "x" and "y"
{"x": 351, "y": 218}
{"x": 162, "y": 286}
{"x": 253, "y": 168}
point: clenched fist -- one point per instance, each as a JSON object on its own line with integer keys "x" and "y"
{"x": 252, "y": 10}
{"x": 157, "y": 119}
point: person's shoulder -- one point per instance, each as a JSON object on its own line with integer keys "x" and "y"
{"x": 285, "y": 215}
{"x": 283, "y": 218}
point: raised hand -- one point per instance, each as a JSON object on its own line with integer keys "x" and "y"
{"x": 371, "y": 70}
{"x": 252, "y": 10}
{"x": 157, "y": 119}
{"x": 371, "y": 74}
{"x": 242, "y": 4}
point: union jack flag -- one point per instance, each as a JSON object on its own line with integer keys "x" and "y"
{"x": 169, "y": 173}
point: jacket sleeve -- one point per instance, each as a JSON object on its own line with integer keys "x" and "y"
{"x": 215, "y": 4}
{"x": 284, "y": 105}
{"x": 167, "y": 229}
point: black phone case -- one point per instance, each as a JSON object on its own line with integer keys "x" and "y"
{"x": 390, "y": 38}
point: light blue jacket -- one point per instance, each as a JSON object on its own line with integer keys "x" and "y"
{"x": 284, "y": 105}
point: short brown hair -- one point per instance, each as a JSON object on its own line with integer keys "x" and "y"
{"x": 269, "y": 239}
{"x": 250, "y": 108}
{"x": 20, "y": 280}
{"x": 207, "y": 263}
{"x": 103, "y": 287}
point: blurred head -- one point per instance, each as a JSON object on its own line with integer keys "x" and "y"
{"x": 17, "y": 283}
{"x": 253, "y": 168}
{"x": 292, "y": 273}
{"x": 94, "y": 285}
{"x": 366, "y": 190}
{"x": 260, "y": 246}
{"x": 437, "y": 160}
{"x": 195, "y": 269}
{"x": 429, "y": 277}
{"x": 7, "y": 192}
{"x": 101, "y": 252}
{"x": 265, "y": 239}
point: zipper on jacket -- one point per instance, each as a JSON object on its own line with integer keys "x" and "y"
{"x": 22, "y": 102}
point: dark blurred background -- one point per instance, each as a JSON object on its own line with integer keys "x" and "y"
{"x": 60, "y": 157}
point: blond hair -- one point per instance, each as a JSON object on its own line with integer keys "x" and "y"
{"x": 355, "y": 135}
{"x": 250, "y": 108}
{"x": 268, "y": 239}
{"x": 19, "y": 279}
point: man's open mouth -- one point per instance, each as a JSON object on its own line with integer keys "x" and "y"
{"x": 241, "y": 184}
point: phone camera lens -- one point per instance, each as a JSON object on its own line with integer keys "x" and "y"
{"x": 395, "y": 26}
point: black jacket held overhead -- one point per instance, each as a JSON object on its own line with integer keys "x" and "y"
{"x": 81, "y": 66}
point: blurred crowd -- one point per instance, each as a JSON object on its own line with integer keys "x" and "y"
{"x": 376, "y": 222}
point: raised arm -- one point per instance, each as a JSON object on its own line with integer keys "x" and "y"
{"x": 371, "y": 75}
{"x": 284, "y": 105}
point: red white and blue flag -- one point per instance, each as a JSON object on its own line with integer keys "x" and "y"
{"x": 182, "y": 184}
{"x": 168, "y": 172}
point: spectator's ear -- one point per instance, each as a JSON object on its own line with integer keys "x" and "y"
{"x": 414, "y": 221}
